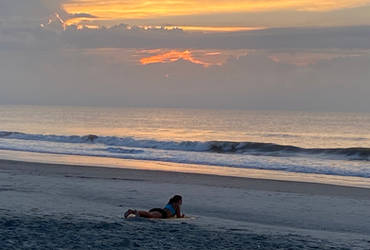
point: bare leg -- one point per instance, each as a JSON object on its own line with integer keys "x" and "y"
{"x": 146, "y": 214}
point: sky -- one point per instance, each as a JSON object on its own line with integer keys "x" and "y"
{"x": 229, "y": 54}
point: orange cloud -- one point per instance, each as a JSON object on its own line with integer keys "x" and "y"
{"x": 173, "y": 56}
{"x": 139, "y": 12}
{"x": 137, "y": 9}
{"x": 205, "y": 58}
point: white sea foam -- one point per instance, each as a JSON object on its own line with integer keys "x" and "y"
{"x": 326, "y": 143}
{"x": 297, "y": 163}
{"x": 229, "y": 147}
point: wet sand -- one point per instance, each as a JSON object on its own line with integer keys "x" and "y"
{"x": 61, "y": 206}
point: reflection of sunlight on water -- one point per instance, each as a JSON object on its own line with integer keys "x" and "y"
{"x": 183, "y": 168}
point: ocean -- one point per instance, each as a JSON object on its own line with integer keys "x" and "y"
{"x": 335, "y": 144}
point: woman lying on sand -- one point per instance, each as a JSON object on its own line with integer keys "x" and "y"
{"x": 172, "y": 209}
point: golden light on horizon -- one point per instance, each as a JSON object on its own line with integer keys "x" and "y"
{"x": 129, "y": 9}
{"x": 215, "y": 28}
{"x": 77, "y": 21}
{"x": 210, "y": 29}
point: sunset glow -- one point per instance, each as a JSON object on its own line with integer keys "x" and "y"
{"x": 173, "y": 56}
{"x": 136, "y": 10}
{"x": 214, "y": 28}
{"x": 205, "y": 58}
{"x": 144, "y": 9}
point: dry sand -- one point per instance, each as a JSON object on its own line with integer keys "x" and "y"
{"x": 49, "y": 206}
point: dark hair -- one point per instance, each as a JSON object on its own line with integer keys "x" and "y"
{"x": 175, "y": 199}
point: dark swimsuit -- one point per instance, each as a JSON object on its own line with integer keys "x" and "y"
{"x": 160, "y": 210}
{"x": 163, "y": 211}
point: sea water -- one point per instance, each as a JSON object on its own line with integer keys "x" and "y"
{"x": 290, "y": 141}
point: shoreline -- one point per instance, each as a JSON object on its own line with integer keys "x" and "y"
{"x": 161, "y": 176}
{"x": 118, "y": 163}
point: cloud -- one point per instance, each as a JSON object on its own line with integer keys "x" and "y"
{"x": 205, "y": 13}
{"x": 18, "y": 34}
{"x": 289, "y": 38}
{"x": 125, "y": 9}
{"x": 236, "y": 13}
{"x": 28, "y": 9}
{"x": 253, "y": 81}
{"x": 25, "y": 16}
{"x": 126, "y": 36}
{"x": 319, "y": 68}
{"x": 280, "y": 18}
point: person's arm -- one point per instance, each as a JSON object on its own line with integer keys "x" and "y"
{"x": 178, "y": 212}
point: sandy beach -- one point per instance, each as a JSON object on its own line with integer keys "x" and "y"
{"x": 48, "y": 206}
{"x": 257, "y": 113}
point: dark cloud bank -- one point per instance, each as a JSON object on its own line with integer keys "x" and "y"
{"x": 121, "y": 36}
{"x": 287, "y": 38}
{"x": 47, "y": 66}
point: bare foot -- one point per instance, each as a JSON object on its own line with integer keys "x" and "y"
{"x": 128, "y": 212}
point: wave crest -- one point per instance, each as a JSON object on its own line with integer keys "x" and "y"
{"x": 224, "y": 147}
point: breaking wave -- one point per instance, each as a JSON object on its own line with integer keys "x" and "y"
{"x": 222, "y": 147}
